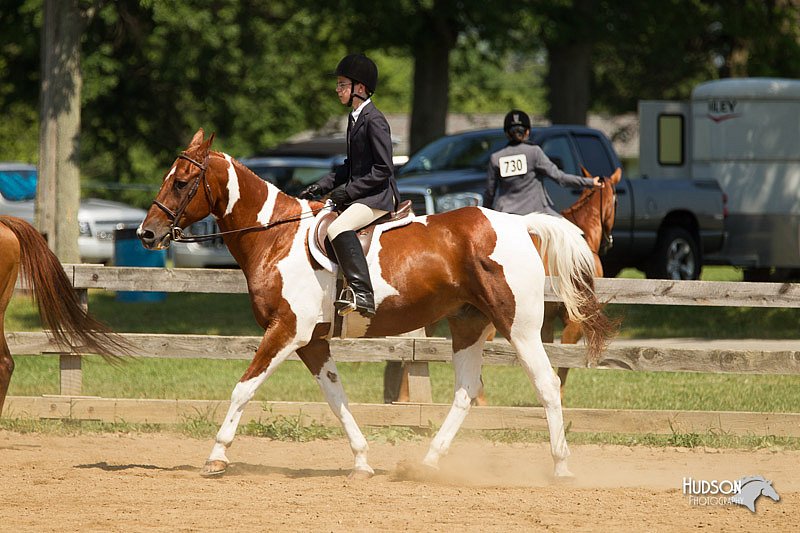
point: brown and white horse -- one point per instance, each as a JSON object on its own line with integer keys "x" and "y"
{"x": 475, "y": 267}
{"x": 23, "y": 249}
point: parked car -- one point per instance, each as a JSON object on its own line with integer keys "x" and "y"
{"x": 97, "y": 218}
{"x": 663, "y": 227}
{"x": 289, "y": 173}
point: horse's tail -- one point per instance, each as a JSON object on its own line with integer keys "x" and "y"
{"x": 568, "y": 257}
{"x": 59, "y": 307}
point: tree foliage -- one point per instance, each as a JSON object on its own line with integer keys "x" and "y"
{"x": 258, "y": 72}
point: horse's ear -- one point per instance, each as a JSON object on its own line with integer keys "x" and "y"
{"x": 197, "y": 140}
{"x": 586, "y": 173}
{"x": 206, "y": 146}
{"x": 616, "y": 176}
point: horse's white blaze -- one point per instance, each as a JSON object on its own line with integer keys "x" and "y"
{"x": 171, "y": 172}
{"x": 233, "y": 186}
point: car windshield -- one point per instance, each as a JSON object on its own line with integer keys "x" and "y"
{"x": 454, "y": 153}
{"x": 18, "y": 185}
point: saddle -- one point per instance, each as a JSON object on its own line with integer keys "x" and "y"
{"x": 403, "y": 210}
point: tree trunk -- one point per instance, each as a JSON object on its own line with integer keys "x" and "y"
{"x": 431, "y": 84}
{"x": 58, "y": 194}
{"x": 568, "y": 81}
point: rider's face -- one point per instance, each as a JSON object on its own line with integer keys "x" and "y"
{"x": 343, "y": 88}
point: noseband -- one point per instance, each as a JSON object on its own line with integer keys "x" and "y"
{"x": 175, "y": 231}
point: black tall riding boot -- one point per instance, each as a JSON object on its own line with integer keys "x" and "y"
{"x": 358, "y": 295}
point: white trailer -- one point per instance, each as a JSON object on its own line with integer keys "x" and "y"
{"x": 745, "y": 134}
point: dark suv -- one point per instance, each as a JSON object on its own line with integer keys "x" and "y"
{"x": 451, "y": 171}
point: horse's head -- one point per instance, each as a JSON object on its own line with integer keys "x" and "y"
{"x": 608, "y": 210}
{"x": 178, "y": 203}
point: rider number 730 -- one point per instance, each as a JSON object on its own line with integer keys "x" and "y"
{"x": 513, "y": 165}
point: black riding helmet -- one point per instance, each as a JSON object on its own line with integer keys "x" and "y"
{"x": 358, "y": 68}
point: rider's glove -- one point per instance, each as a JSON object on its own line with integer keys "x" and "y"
{"x": 310, "y": 192}
{"x": 339, "y": 197}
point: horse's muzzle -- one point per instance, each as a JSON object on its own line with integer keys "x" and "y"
{"x": 151, "y": 241}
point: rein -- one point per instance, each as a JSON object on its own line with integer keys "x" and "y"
{"x": 211, "y": 236}
{"x": 176, "y": 232}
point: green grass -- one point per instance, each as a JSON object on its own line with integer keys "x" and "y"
{"x": 505, "y": 385}
{"x": 218, "y": 314}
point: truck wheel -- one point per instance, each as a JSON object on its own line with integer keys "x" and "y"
{"x": 677, "y": 256}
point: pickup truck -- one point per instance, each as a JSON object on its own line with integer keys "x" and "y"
{"x": 663, "y": 227}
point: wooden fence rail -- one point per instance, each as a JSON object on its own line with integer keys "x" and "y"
{"x": 420, "y": 351}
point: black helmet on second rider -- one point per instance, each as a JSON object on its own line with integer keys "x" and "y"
{"x": 516, "y": 124}
{"x": 359, "y": 68}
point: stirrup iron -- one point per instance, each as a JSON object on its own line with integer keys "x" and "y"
{"x": 347, "y": 301}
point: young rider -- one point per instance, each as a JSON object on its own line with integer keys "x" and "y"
{"x": 515, "y": 180}
{"x": 363, "y": 188}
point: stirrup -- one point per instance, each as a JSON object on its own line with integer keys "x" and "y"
{"x": 347, "y": 301}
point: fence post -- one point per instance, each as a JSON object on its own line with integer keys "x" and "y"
{"x": 70, "y": 363}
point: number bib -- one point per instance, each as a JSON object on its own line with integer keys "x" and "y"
{"x": 513, "y": 165}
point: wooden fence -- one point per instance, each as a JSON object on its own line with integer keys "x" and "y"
{"x": 417, "y": 352}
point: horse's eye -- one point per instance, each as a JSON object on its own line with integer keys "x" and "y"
{"x": 180, "y": 185}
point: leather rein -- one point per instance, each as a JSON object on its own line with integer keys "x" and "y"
{"x": 176, "y": 232}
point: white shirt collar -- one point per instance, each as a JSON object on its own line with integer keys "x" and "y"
{"x": 356, "y": 112}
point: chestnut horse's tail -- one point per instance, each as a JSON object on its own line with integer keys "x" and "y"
{"x": 59, "y": 307}
{"x": 569, "y": 258}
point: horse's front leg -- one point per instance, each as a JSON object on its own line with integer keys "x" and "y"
{"x": 272, "y": 351}
{"x": 317, "y": 357}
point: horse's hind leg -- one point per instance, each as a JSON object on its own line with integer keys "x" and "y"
{"x": 469, "y": 335}
{"x": 317, "y": 357}
{"x": 534, "y": 361}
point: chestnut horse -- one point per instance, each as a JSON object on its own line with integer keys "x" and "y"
{"x": 23, "y": 249}
{"x": 474, "y": 266}
{"x": 594, "y": 212}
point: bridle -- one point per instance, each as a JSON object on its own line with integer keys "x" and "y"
{"x": 176, "y": 232}
{"x": 606, "y": 238}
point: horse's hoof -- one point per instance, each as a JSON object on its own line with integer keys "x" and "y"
{"x": 563, "y": 475}
{"x": 213, "y": 468}
{"x": 360, "y": 474}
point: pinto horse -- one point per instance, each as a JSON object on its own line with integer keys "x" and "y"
{"x": 475, "y": 267}
{"x": 23, "y": 249}
{"x": 593, "y": 212}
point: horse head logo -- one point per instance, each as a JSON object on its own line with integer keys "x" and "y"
{"x": 752, "y": 488}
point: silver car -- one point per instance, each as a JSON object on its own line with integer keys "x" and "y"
{"x": 97, "y": 218}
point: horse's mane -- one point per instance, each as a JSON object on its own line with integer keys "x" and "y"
{"x": 579, "y": 204}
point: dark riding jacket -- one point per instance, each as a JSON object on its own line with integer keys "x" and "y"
{"x": 515, "y": 180}
{"x": 368, "y": 171}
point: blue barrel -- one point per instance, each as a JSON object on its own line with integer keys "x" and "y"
{"x": 128, "y": 251}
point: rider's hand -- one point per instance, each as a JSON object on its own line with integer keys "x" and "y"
{"x": 339, "y": 197}
{"x": 310, "y": 192}
{"x": 598, "y": 182}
